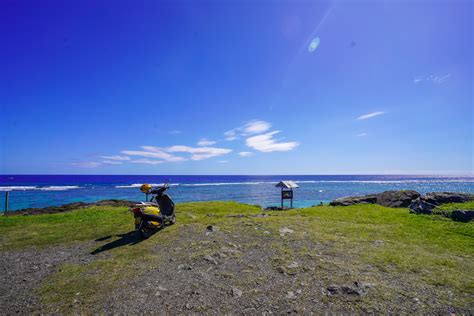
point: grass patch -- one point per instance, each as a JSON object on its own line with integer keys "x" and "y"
{"x": 447, "y": 209}
{"x": 428, "y": 250}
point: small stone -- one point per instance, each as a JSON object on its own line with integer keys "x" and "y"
{"x": 210, "y": 259}
{"x": 290, "y": 295}
{"x": 285, "y": 230}
{"x": 184, "y": 267}
{"x": 266, "y": 232}
{"x": 293, "y": 265}
{"x": 222, "y": 255}
{"x": 236, "y": 292}
{"x": 162, "y": 289}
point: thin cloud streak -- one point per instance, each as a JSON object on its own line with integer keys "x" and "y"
{"x": 250, "y": 128}
{"x": 87, "y": 164}
{"x": 111, "y": 162}
{"x": 437, "y": 79}
{"x": 246, "y": 154}
{"x": 147, "y": 161}
{"x": 199, "y": 153}
{"x": 205, "y": 142}
{"x": 369, "y": 115}
{"x": 116, "y": 157}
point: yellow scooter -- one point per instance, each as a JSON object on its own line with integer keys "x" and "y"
{"x": 150, "y": 216}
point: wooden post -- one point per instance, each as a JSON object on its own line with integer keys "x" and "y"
{"x": 291, "y": 201}
{"x": 6, "y": 203}
{"x": 281, "y": 198}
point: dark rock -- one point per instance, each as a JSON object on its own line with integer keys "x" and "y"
{"x": 439, "y": 198}
{"x": 352, "y": 200}
{"x": 426, "y": 203}
{"x": 212, "y": 228}
{"x": 401, "y": 198}
{"x": 333, "y": 289}
{"x": 276, "y": 208}
{"x": 357, "y": 289}
{"x": 420, "y": 206}
{"x": 406, "y": 198}
{"x": 70, "y": 207}
{"x": 462, "y": 216}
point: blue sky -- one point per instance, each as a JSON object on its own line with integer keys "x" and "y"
{"x": 236, "y": 87}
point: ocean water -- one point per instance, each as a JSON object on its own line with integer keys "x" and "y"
{"x": 45, "y": 190}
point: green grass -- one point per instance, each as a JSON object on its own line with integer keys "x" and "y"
{"x": 432, "y": 249}
{"x": 446, "y": 209}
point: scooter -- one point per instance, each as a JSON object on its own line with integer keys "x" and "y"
{"x": 153, "y": 215}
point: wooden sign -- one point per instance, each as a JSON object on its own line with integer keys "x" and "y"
{"x": 286, "y": 195}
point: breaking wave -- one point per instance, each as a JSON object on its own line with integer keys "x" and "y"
{"x": 48, "y": 188}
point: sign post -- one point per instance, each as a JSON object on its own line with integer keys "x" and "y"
{"x": 287, "y": 191}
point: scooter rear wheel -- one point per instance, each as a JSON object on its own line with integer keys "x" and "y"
{"x": 146, "y": 232}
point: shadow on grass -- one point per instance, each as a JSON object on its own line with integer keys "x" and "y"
{"x": 131, "y": 238}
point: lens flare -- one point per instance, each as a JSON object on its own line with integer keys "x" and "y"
{"x": 313, "y": 45}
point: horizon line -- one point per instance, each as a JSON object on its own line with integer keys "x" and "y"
{"x": 288, "y": 174}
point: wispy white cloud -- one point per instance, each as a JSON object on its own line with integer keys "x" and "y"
{"x": 199, "y": 153}
{"x": 111, "y": 162}
{"x": 256, "y": 127}
{"x": 174, "y": 132}
{"x": 266, "y": 143}
{"x": 116, "y": 157}
{"x": 87, "y": 164}
{"x": 146, "y": 161}
{"x": 230, "y": 135}
{"x": 205, "y": 142}
{"x": 370, "y": 115}
{"x": 246, "y": 154}
{"x": 223, "y": 161}
{"x": 434, "y": 78}
{"x": 153, "y": 152}
{"x": 250, "y": 128}
{"x": 361, "y": 135}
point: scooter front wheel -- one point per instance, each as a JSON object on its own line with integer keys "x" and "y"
{"x": 173, "y": 220}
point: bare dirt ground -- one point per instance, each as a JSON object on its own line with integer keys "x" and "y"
{"x": 246, "y": 270}
{"x": 23, "y": 271}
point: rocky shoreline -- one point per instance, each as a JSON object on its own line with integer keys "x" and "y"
{"x": 69, "y": 207}
{"x": 417, "y": 203}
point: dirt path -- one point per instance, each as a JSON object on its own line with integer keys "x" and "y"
{"x": 23, "y": 271}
